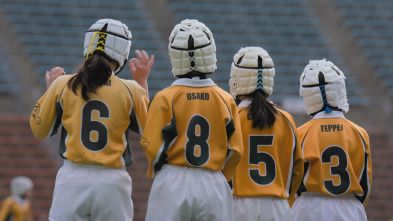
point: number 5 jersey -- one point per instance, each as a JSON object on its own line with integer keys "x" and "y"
{"x": 193, "y": 123}
{"x": 271, "y": 164}
{"x": 93, "y": 131}
{"x": 337, "y": 157}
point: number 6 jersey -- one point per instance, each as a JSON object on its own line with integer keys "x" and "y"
{"x": 193, "y": 123}
{"x": 337, "y": 157}
{"x": 93, "y": 131}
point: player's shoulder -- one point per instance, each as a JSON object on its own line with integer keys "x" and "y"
{"x": 59, "y": 84}
{"x": 306, "y": 126}
{"x": 285, "y": 113}
{"x": 358, "y": 128}
{"x": 128, "y": 83}
{"x": 169, "y": 91}
{"x": 222, "y": 92}
{"x": 62, "y": 80}
{"x": 9, "y": 200}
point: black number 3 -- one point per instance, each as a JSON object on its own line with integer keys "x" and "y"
{"x": 197, "y": 139}
{"x": 89, "y": 125}
{"x": 340, "y": 170}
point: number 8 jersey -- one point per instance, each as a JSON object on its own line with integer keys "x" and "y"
{"x": 193, "y": 123}
{"x": 93, "y": 131}
{"x": 337, "y": 157}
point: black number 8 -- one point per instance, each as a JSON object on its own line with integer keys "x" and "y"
{"x": 89, "y": 125}
{"x": 195, "y": 140}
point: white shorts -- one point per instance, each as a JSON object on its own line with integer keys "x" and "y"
{"x": 185, "y": 194}
{"x": 91, "y": 192}
{"x": 261, "y": 208}
{"x": 312, "y": 206}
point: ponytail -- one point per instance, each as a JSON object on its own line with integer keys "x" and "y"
{"x": 262, "y": 111}
{"x": 93, "y": 72}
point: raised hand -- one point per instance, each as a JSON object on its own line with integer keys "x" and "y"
{"x": 140, "y": 68}
{"x": 51, "y": 75}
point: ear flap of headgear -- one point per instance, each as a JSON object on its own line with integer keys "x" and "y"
{"x": 192, "y": 47}
{"x": 252, "y": 69}
{"x": 322, "y": 86}
{"x": 111, "y": 37}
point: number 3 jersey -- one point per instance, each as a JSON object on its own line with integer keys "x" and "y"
{"x": 93, "y": 131}
{"x": 337, "y": 157}
{"x": 271, "y": 164}
{"x": 193, "y": 123}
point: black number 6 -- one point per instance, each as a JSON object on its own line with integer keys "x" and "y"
{"x": 89, "y": 125}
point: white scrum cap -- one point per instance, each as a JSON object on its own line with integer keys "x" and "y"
{"x": 111, "y": 37}
{"x": 20, "y": 185}
{"x": 252, "y": 68}
{"x": 192, "y": 47}
{"x": 322, "y": 85}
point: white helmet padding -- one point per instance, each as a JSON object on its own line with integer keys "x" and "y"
{"x": 111, "y": 37}
{"x": 322, "y": 86}
{"x": 192, "y": 47}
{"x": 252, "y": 69}
{"x": 20, "y": 185}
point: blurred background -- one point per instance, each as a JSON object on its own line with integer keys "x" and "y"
{"x": 356, "y": 35}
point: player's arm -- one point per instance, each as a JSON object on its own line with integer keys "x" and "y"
{"x": 298, "y": 167}
{"x": 139, "y": 105}
{"x": 5, "y": 209}
{"x": 29, "y": 215}
{"x": 42, "y": 119}
{"x": 158, "y": 116}
{"x": 366, "y": 179}
{"x": 235, "y": 145}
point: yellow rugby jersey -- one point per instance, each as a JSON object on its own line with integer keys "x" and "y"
{"x": 15, "y": 211}
{"x": 271, "y": 164}
{"x": 193, "y": 123}
{"x": 337, "y": 157}
{"x": 94, "y": 131}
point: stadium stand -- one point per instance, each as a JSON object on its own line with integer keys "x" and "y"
{"x": 286, "y": 29}
{"x": 52, "y": 32}
{"x": 370, "y": 24}
{"x": 8, "y": 83}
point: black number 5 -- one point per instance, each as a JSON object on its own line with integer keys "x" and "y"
{"x": 89, "y": 125}
{"x": 340, "y": 170}
{"x": 257, "y": 157}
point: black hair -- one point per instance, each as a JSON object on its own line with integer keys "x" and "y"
{"x": 93, "y": 72}
{"x": 262, "y": 111}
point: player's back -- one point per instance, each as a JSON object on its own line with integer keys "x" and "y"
{"x": 94, "y": 131}
{"x": 15, "y": 210}
{"x": 202, "y": 121}
{"x": 266, "y": 166}
{"x": 336, "y": 154}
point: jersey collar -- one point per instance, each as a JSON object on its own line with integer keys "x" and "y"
{"x": 194, "y": 82}
{"x": 244, "y": 103}
{"x": 333, "y": 114}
